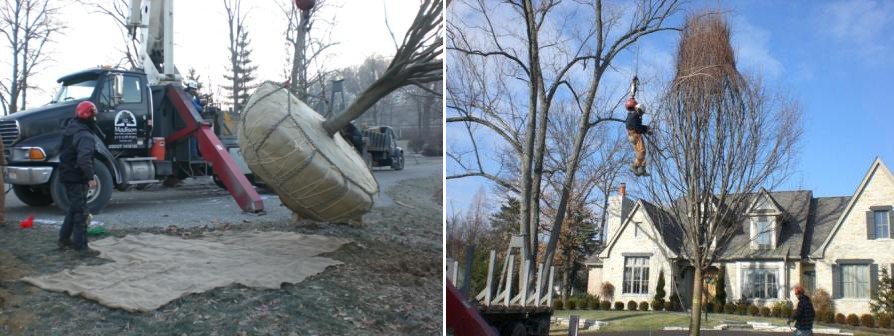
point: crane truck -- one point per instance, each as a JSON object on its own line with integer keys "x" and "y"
{"x": 137, "y": 110}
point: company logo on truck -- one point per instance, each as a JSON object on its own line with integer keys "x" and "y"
{"x": 125, "y": 130}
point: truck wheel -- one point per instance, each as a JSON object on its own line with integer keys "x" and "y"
{"x": 514, "y": 329}
{"x": 33, "y": 196}
{"x": 96, "y": 198}
{"x": 398, "y": 162}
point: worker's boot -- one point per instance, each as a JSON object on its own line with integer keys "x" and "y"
{"x": 642, "y": 171}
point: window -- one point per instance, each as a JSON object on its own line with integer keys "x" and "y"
{"x": 809, "y": 281}
{"x": 132, "y": 92}
{"x": 763, "y": 233}
{"x": 636, "y": 275}
{"x": 855, "y": 281}
{"x": 635, "y": 229}
{"x": 760, "y": 284}
{"x": 880, "y": 218}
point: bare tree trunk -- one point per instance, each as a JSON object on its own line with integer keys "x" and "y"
{"x": 695, "y": 316}
{"x": 298, "y": 77}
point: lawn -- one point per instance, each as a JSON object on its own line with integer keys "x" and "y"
{"x": 652, "y": 320}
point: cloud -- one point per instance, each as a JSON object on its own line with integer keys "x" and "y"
{"x": 751, "y": 44}
{"x": 862, "y": 26}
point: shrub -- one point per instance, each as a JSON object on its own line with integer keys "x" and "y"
{"x": 765, "y": 311}
{"x": 644, "y": 306}
{"x": 658, "y": 305}
{"x": 674, "y": 303}
{"x": 853, "y": 320}
{"x": 884, "y": 320}
{"x": 839, "y": 318}
{"x": 786, "y": 311}
{"x": 867, "y": 320}
{"x": 631, "y": 305}
{"x": 720, "y": 297}
{"x": 754, "y": 310}
{"x": 729, "y": 308}
{"x": 605, "y": 305}
{"x": 822, "y": 301}
{"x": 708, "y": 306}
{"x": 593, "y": 304}
{"x": 619, "y": 305}
{"x": 659, "y": 287}
{"x": 571, "y": 304}
{"x": 558, "y": 305}
{"x": 776, "y": 311}
{"x": 741, "y": 309}
{"x": 827, "y": 316}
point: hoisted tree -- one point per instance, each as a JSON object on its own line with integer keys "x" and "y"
{"x": 721, "y": 137}
{"x": 316, "y": 173}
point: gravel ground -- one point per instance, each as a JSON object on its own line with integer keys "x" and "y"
{"x": 390, "y": 282}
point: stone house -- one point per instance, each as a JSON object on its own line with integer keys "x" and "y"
{"x": 790, "y": 238}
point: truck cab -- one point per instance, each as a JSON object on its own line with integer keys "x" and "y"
{"x": 126, "y": 117}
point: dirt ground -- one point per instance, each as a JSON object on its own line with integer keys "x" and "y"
{"x": 390, "y": 282}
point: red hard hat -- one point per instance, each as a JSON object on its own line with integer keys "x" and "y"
{"x": 630, "y": 105}
{"x": 304, "y": 4}
{"x": 85, "y": 110}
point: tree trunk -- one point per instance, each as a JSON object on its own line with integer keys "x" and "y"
{"x": 695, "y": 318}
{"x": 298, "y": 77}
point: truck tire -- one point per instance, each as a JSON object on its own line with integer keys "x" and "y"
{"x": 398, "y": 162}
{"x": 96, "y": 200}
{"x": 33, "y": 195}
{"x": 514, "y": 329}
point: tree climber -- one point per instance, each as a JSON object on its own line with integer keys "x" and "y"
{"x": 636, "y": 129}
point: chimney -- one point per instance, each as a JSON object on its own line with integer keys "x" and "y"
{"x": 618, "y": 208}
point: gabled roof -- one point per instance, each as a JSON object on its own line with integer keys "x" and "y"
{"x": 877, "y": 167}
{"x": 660, "y": 220}
{"x": 763, "y": 193}
{"x": 795, "y": 214}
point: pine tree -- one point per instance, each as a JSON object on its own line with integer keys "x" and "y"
{"x": 193, "y": 75}
{"x": 242, "y": 72}
{"x": 659, "y": 289}
{"x": 720, "y": 296}
{"x": 883, "y": 299}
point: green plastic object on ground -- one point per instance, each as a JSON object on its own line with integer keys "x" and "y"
{"x": 96, "y": 231}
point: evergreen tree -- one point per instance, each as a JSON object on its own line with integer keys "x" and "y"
{"x": 883, "y": 299}
{"x": 659, "y": 289}
{"x": 193, "y": 75}
{"x": 505, "y": 221}
{"x": 720, "y": 297}
{"x": 241, "y": 71}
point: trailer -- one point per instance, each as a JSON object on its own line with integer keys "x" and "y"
{"x": 526, "y": 311}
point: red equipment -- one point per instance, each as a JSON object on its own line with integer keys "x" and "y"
{"x": 213, "y": 150}
{"x": 462, "y": 318}
{"x": 158, "y": 148}
{"x": 27, "y": 223}
{"x": 85, "y": 110}
{"x": 305, "y": 4}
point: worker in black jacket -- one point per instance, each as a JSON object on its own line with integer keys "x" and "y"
{"x": 803, "y": 314}
{"x": 76, "y": 173}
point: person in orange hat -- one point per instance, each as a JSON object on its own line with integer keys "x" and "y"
{"x": 636, "y": 129}
{"x": 803, "y": 315}
{"x": 76, "y": 173}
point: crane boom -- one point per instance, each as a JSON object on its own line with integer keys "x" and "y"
{"x": 155, "y": 18}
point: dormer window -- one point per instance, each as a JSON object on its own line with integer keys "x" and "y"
{"x": 764, "y": 217}
{"x": 763, "y": 228}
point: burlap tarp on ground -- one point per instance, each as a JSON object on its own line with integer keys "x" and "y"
{"x": 316, "y": 175}
{"x": 151, "y": 270}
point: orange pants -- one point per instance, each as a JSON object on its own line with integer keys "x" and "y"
{"x": 639, "y": 147}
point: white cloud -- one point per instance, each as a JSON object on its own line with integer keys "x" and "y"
{"x": 751, "y": 44}
{"x": 862, "y": 26}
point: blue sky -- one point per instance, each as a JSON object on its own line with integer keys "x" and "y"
{"x": 833, "y": 56}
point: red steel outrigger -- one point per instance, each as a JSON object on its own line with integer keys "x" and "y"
{"x": 212, "y": 150}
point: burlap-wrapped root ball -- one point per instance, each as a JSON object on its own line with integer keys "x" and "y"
{"x": 318, "y": 176}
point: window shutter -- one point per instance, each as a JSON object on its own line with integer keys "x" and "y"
{"x": 870, "y": 226}
{"x": 890, "y": 226}
{"x": 836, "y": 281}
{"x": 873, "y": 279}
